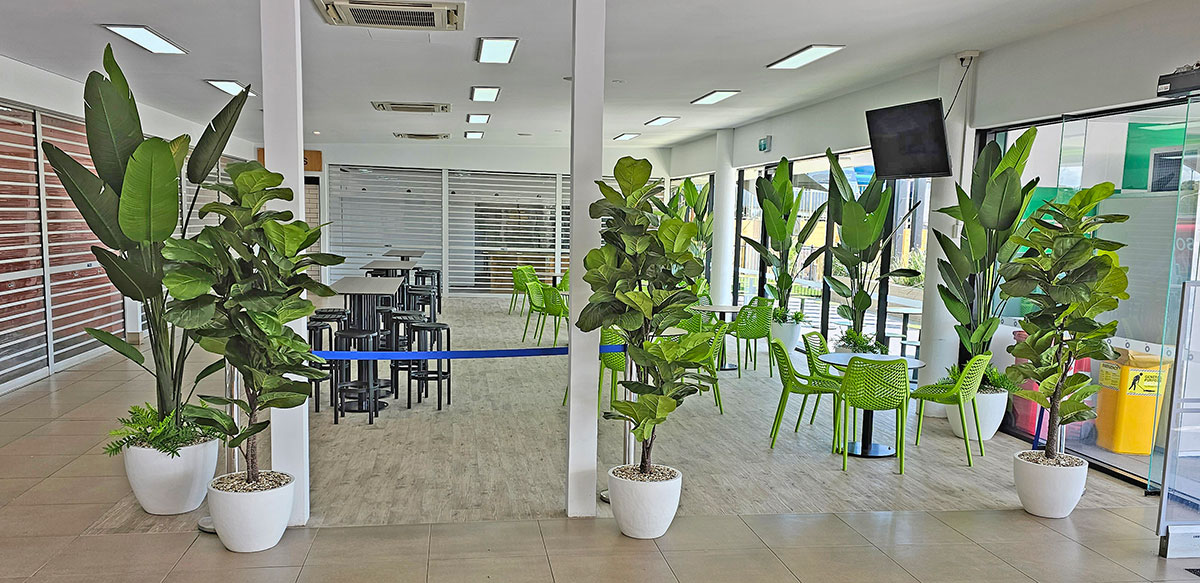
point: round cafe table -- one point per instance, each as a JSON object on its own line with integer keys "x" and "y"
{"x": 720, "y": 311}
{"x": 865, "y": 447}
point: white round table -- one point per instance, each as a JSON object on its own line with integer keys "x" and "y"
{"x": 865, "y": 447}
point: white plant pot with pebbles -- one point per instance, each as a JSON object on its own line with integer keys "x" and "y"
{"x": 644, "y": 505}
{"x": 251, "y": 517}
{"x": 787, "y": 333}
{"x": 991, "y": 408}
{"x": 1049, "y": 488}
{"x": 171, "y": 485}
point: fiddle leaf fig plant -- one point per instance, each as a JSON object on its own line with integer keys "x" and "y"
{"x": 689, "y": 203}
{"x": 1073, "y": 277}
{"x": 641, "y": 278}
{"x": 131, "y": 203}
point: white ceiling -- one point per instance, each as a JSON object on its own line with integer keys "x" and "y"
{"x": 660, "y": 55}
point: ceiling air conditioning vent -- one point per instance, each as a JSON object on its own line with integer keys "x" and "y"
{"x": 404, "y": 136}
{"x": 411, "y": 107}
{"x": 396, "y": 14}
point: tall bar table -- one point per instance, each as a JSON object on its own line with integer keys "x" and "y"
{"x": 404, "y": 253}
{"x": 361, "y": 294}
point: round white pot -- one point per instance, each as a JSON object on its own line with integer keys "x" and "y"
{"x": 935, "y": 410}
{"x": 787, "y": 333}
{"x": 1048, "y": 491}
{"x": 644, "y": 509}
{"x": 171, "y": 485}
{"x": 248, "y": 522}
{"x": 991, "y": 408}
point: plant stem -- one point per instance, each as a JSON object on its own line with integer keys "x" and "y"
{"x": 1053, "y": 416}
{"x": 647, "y": 446}
{"x": 252, "y": 450}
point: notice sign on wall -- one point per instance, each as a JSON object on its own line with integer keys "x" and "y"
{"x": 312, "y": 160}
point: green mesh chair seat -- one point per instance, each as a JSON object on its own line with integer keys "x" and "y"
{"x": 555, "y": 307}
{"x": 957, "y": 395}
{"x": 753, "y": 322}
{"x": 518, "y": 289}
{"x": 876, "y": 385}
{"x": 537, "y": 303}
{"x": 796, "y": 383}
{"x": 716, "y": 347}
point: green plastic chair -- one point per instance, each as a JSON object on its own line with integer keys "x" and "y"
{"x": 716, "y": 347}
{"x": 753, "y": 323}
{"x": 875, "y": 385}
{"x": 564, "y": 281}
{"x": 799, "y": 384}
{"x": 555, "y": 307}
{"x": 611, "y": 361}
{"x": 518, "y": 289}
{"x": 537, "y": 303}
{"x": 819, "y": 373}
{"x": 957, "y": 394}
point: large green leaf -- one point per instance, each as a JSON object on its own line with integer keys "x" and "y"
{"x": 286, "y": 238}
{"x": 856, "y": 229}
{"x": 985, "y": 166}
{"x": 212, "y": 142}
{"x": 1018, "y": 153}
{"x": 124, "y": 348}
{"x": 96, "y": 202}
{"x": 193, "y": 313}
{"x": 189, "y": 250}
{"x": 111, "y": 120}
{"x": 954, "y": 306}
{"x": 632, "y": 174}
{"x": 186, "y": 281}
{"x": 1002, "y": 201}
{"x": 179, "y": 149}
{"x": 130, "y": 278}
{"x": 149, "y": 208}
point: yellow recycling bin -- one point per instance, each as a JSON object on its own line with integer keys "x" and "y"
{"x": 1126, "y": 406}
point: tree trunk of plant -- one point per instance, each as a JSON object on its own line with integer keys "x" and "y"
{"x": 647, "y": 446}
{"x": 252, "y": 451}
{"x": 1053, "y": 417}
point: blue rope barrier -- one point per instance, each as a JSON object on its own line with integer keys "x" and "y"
{"x": 454, "y": 354}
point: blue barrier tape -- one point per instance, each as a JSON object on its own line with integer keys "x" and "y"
{"x": 454, "y": 354}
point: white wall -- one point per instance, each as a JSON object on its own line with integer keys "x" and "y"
{"x": 482, "y": 157}
{"x": 1112, "y": 60}
{"x": 51, "y": 92}
{"x": 694, "y": 157}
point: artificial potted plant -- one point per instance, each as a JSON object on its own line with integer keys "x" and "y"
{"x": 241, "y": 282}
{"x": 990, "y": 215}
{"x": 1073, "y": 277}
{"x": 640, "y": 278}
{"x": 131, "y": 203}
{"x": 780, "y": 205}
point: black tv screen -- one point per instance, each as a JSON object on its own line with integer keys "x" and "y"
{"x": 909, "y": 141}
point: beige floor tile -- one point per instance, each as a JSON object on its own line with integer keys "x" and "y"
{"x": 50, "y": 445}
{"x": 93, "y": 465}
{"x": 98, "y": 578}
{"x": 743, "y": 566}
{"x": 901, "y": 528}
{"x": 952, "y": 563}
{"x": 1061, "y": 562}
{"x": 396, "y": 571}
{"x": 689, "y": 533}
{"x": 616, "y": 568}
{"x": 1141, "y": 557}
{"x": 997, "y": 525}
{"x": 843, "y": 565}
{"x": 803, "y": 530}
{"x": 97, "y": 427}
{"x": 207, "y": 553}
{"x": 111, "y": 374}
{"x": 120, "y": 553}
{"x": 357, "y": 544}
{"x": 23, "y": 556}
{"x": 10, "y": 488}
{"x": 96, "y": 411}
{"x": 508, "y": 569}
{"x": 49, "y": 520}
{"x": 1092, "y": 524}
{"x": 15, "y": 429}
{"x": 248, "y": 575}
{"x": 589, "y": 536}
{"x": 81, "y": 490}
{"x": 32, "y": 466}
{"x": 486, "y": 539}
{"x": 51, "y": 406}
{"x": 1146, "y": 516}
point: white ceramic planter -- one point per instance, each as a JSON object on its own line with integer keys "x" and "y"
{"x": 171, "y": 485}
{"x": 788, "y": 334}
{"x": 991, "y": 408}
{"x": 935, "y": 410}
{"x": 248, "y": 522}
{"x": 644, "y": 509}
{"x": 1048, "y": 491}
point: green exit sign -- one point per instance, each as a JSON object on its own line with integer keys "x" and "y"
{"x": 764, "y": 144}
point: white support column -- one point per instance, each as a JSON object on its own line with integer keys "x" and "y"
{"x": 939, "y": 342}
{"x": 587, "y": 144}
{"x": 283, "y": 145}
{"x": 724, "y": 192}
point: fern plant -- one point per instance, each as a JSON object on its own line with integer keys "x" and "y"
{"x": 144, "y": 428}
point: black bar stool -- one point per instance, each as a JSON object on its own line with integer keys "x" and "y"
{"x": 422, "y": 297}
{"x": 399, "y": 328}
{"x": 321, "y": 326}
{"x": 430, "y": 336}
{"x": 365, "y": 389}
{"x": 430, "y": 277}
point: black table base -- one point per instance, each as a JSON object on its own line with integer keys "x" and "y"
{"x": 361, "y": 407}
{"x": 855, "y": 449}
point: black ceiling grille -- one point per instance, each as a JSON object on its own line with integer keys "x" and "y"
{"x": 406, "y": 18}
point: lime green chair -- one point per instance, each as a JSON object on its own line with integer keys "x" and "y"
{"x": 958, "y": 394}
{"x": 611, "y": 361}
{"x": 518, "y": 289}
{"x": 537, "y": 303}
{"x": 753, "y": 323}
{"x": 875, "y": 385}
{"x": 799, "y": 384}
{"x": 555, "y": 307}
{"x": 564, "y": 281}
{"x": 716, "y": 347}
{"x": 819, "y": 373}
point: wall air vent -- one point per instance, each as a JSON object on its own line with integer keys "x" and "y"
{"x": 411, "y": 107}
{"x": 425, "y": 137}
{"x": 395, "y": 14}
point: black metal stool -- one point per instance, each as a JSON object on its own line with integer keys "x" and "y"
{"x": 366, "y": 389}
{"x": 421, "y": 297}
{"x": 320, "y": 326}
{"x": 430, "y": 336}
{"x": 430, "y": 277}
{"x": 399, "y": 327}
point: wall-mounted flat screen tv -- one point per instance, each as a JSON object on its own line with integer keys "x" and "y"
{"x": 909, "y": 140}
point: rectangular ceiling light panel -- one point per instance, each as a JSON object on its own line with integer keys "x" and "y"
{"x": 715, "y": 96}
{"x": 496, "y": 50}
{"x": 479, "y": 117}
{"x": 662, "y": 120}
{"x": 230, "y": 87}
{"x": 626, "y": 137}
{"x": 145, "y": 37}
{"x": 485, "y": 93}
{"x": 805, "y": 56}
{"x": 473, "y": 135}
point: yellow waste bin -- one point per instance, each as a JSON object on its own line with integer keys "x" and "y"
{"x": 1126, "y": 405}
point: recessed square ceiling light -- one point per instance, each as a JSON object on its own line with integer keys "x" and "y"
{"x": 479, "y": 117}
{"x": 662, "y": 120}
{"x": 805, "y": 56}
{"x": 145, "y": 37}
{"x": 485, "y": 93}
{"x": 473, "y": 135}
{"x": 626, "y": 137}
{"x": 496, "y": 50}
{"x": 230, "y": 87}
{"x": 714, "y": 96}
